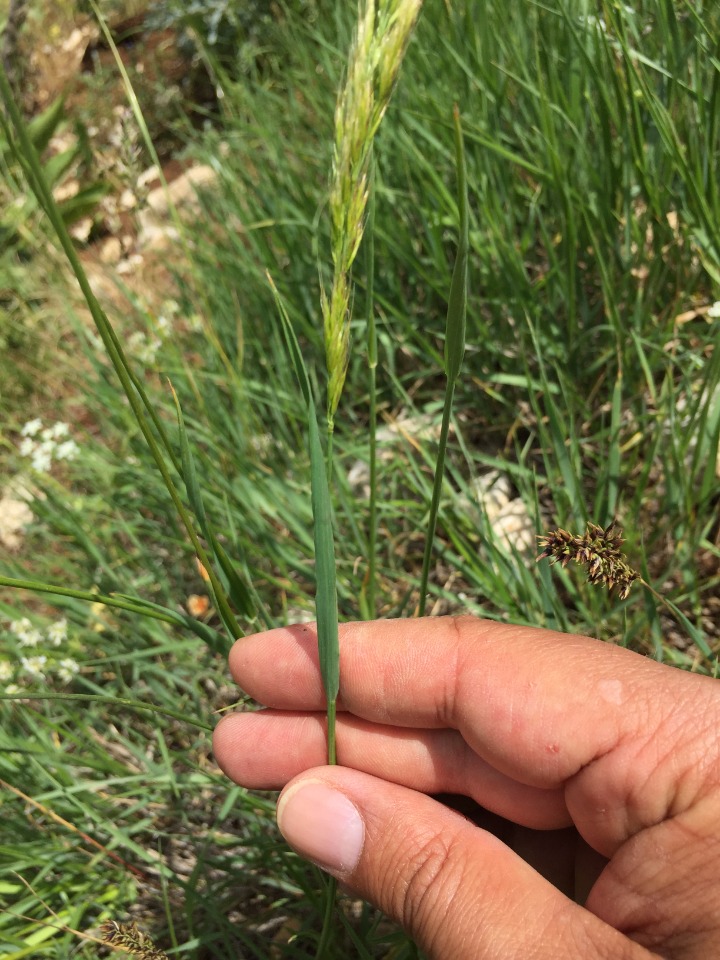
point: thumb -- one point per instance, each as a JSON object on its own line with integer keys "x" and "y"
{"x": 457, "y": 889}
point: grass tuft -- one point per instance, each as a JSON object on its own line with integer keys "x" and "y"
{"x": 589, "y": 388}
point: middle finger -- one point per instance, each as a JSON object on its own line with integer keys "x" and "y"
{"x": 267, "y": 748}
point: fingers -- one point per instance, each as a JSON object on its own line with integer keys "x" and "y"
{"x": 459, "y": 891}
{"x": 550, "y": 711}
{"x": 265, "y": 749}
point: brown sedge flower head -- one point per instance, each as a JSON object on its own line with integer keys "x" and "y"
{"x": 599, "y": 550}
{"x": 137, "y": 943}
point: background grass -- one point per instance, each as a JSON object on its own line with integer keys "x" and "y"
{"x": 590, "y": 383}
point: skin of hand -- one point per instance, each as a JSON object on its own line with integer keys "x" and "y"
{"x": 601, "y": 767}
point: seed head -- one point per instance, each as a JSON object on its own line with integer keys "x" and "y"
{"x": 599, "y": 550}
{"x": 384, "y": 31}
{"x": 127, "y": 935}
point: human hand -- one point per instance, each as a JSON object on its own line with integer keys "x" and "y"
{"x": 565, "y": 737}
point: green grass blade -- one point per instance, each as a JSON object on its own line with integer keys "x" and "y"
{"x": 457, "y": 302}
{"x": 368, "y": 599}
{"x": 293, "y": 346}
{"x": 454, "y": 351}
{"x": 189, "y": 474}
{"x": 610, "y": 488}
{"x": 237, "y": 590}
{"x": 144, "y": 608}
{"x": 326, "y": 591}
{"x": 559, "y": 439}
{"x": 43, "y": 127}
{"x": 234, "y": 586}
{"x": 114, "y": 701}
{"x": 692, "y": 631}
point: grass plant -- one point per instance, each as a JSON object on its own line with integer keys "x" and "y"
{"x": 454, "y": 352}
{"x": 590, "y": 390}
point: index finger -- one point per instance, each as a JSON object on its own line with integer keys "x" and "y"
{"x": 541, "y": 707}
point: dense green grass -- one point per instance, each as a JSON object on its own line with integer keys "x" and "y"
{"x": 592, "y": 144}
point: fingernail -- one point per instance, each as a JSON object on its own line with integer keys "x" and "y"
{"x": 322, "y": 825}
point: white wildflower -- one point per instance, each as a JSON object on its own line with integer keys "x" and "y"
{"x": 714, "y": 311}
{"x": 67, "y": 669}
{"x": 6, "y": 670}
{"x": 57, "y": 632}
{"x": 18, "y": 627}
{"x": 142, "y": 347}
{"x": 12, "y": 689}
{"x": 67, "y": 450}
{"x": 27, "y": 447}
{"x": 30, "y": 638}
{"x": 31, "y": 427}
{"x": 150, "y": 352}
{"x": 59, "y": 430}
{"x": 34, "y": 665}
{"x": 41, "y": 459}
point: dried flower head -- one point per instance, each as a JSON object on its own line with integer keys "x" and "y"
{"x": 599, "y": 550}
{"x": 136, "y": 943}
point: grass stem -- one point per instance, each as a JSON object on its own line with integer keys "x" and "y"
{"x": 454, "y": 350}
{"x": 371, "y": 594}
{"x": 435, "y": 502}
{"x": 112, "y": 701}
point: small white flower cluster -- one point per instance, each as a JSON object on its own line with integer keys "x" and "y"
{"x": 45, "y": 444}
{"x": 144, "y": 346}
{"x": 38, "y": 665}
{"x": 27, "y": 635}
{"x": 714, "y": 311}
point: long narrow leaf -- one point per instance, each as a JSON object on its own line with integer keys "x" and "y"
{"x": 293, "y": 346}
{"x": 115, "y": 701}
{"x": 237, "y": 590}
{"x": 454, "y": 352}
{"x": 326, "y": 591}
{"x": 121, "y": 601}
{"x": 192, "y": 487}
{"x": 457, "y": 301}
{"x": 227, "y": 587}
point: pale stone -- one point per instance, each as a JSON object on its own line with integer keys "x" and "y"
{"x": 15, "y": 515}
{"x": 111, "y": 250}
{"x": 157, "y": 231}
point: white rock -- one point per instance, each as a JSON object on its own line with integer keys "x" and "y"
{"x": 15, "y": 515}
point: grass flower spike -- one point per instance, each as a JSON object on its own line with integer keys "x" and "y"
{"x": 598, "y": 550}
{"x": 384, "y": 31}
{"x": 137, "y": 944}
